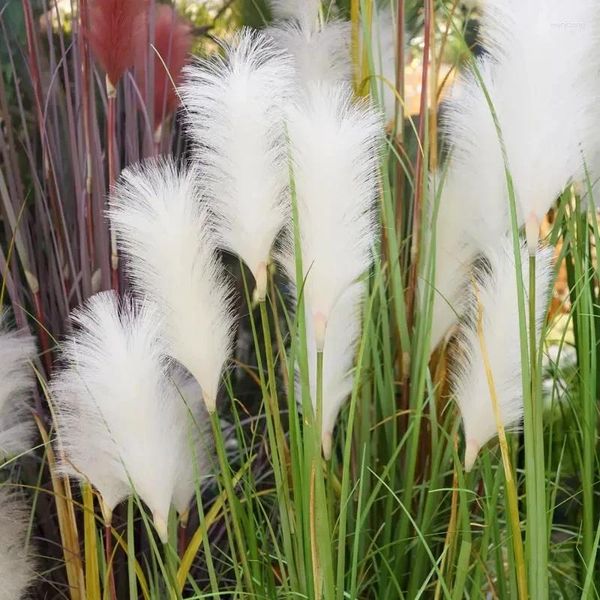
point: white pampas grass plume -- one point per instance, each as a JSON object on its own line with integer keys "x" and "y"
{"x": 320, "y": 49}
{"x": 466, "y": 225}
{"x": 341, "y": 338}
{"x": 121, "y": 422}
{"x": 540, "y": 71}
{"x": 164, "y": 229}
{"x": 16, "y": 383}
{"x": 305, "y": 12}
{"x": 235, "y": 117}
{"x": 494, "y": 293}
{"x": 334, "y": 147}
{"x": 453, "y": 265}
{"x": 16, "y": 569}
{"x": 321, "y": 53}
{"x": 197, "y": 432}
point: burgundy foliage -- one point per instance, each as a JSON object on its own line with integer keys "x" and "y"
{"x": 116, "y": 29}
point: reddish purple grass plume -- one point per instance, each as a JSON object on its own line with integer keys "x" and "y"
{"x": 116, "y": 31}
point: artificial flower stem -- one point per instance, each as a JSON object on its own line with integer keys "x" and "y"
{"x": 534, "y": 449}
{"x": 108, "y": 553}
{"x": 230, "y": 492}
{"x": 511, "y": 488}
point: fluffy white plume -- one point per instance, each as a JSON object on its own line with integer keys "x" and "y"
{"x": 321, "y": 53}
{"x": 305, "y": 12}
{"x": 541, "y": 77}
{"x": 200, "y": 463}
{"x": 235, "y": 116}
{"x": 164, "y": 229}
{"x": 494, "y": 293}
{"x": 334, "y": 146}
{"x": 121, "y": 421}
{"x": 16, "y": 569}
{"x": 540, "y": 72}
{"x": 16, "y": 382}
{"x": 466, "y": 225}
{"x": 343, "y": 333}
{"x": 453, "y": 266}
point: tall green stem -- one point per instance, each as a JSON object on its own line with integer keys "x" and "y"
{"x": 279, "y": 450}
{"x": 271, "y": 388}
{"x": 537, "y": 537}
{"x": 322, "y": 557}
{"x": 319, "y": 428}
{"x": 233, "y": 500}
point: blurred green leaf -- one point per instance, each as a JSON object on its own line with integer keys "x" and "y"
{"x": 255, "y": 13}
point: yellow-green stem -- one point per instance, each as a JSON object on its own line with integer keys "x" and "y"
{"x": 511, "y": 488}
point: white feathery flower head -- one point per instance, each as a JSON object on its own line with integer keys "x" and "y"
{"x": 462, "y": 231}
{"x": 540, "y": 71}
{"x": 341, "y": 339}
{"x": 235, "y": 115}
{"x": 17, "y": 380}
{"x": 494, "y": 297}
{"x": 334, "y": 147}
{"x": 165, "y": 230}
{"x": 197, "y": 434}
{"x": 121, "y": 421}
{"x": 321, "y": 54}
{"x": 16, "y": 568}
{"x": 305, "y": 12}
